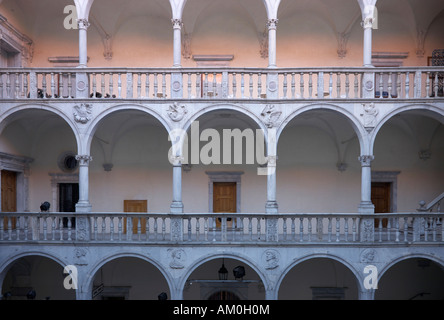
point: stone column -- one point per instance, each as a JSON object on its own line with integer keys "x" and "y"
{"x": 272, "y": 24}
{"x": 83, "y": 25}
{"x": 83, "y": 205}
{"x": 367, "y": 226}
{"x": 177, "y": 205}
{"x": 177, "y": 42}
{"x": 367, "y": 24}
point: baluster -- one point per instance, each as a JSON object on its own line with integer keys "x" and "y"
{"x": 16, "y": 86}
{"x": 189, "y": 228}
{"x": 259, "y": 231}
{"x": 17, "y": 228}
{"x": 389, "y": 227}
{"x": 198, "y": 85}
{"x": 25, "y": 230}
{"x": 428, "y": 85}
{"x": 405, "y": 228}
{"x": 434, "y": 228}
{"x": 347, "y": 85}
{"x": 390, "y": 85}
{"x": 235, "y": 86}
{"x": 61, "y": 228}
{"x": 155, "y": 85}
{"x": 436, "y": 85}
{"x": 53, "y": 228}
{"x": 301, "y": 229}
{"x": 381, "y": 85}
{"x": 338, "y": 85}
{"x": 426, "y": 230}
{"x": 147, "y": 229}
{"x": 214, "y": 88}
{"x": 111, "y": 229}
{"x": 111, "y": 85}
{"x": 354, "y": 229}
{"x": 329, "y": 229}
{"x": 251, "y": 85}
{"x": 104, "y": 228}
{"x": 95, "y": 228}
{"x": 310, "y": 229}
{"x": 45, "y": 228}
{"x": 164, "y": 85}
{"x": 205, "y": 89}
{"x": 259, "y": 85}
{"x": 139, "y": 228}
{"x": 285, "y": 86}
{"x": 119, "y": 228}
{"x": 293, "y": 229}
{"x": 189, "y": 85}
{"x": 356, "y": 85}
{"x": 302, "y": 85}
{"x": 2, "y": 236}
{"x": 52, "y": 85}
{"x": 284, "y": 227}
{"x": 380, "y": 229}
{"x": 155, "y": 229}
{"x": 214, "y": 228}
{"x": 398, "y": 86}
{"x": 330, "y": 86}
{"x": 147, "y": 85}
{"x": 1, "y": 86}
{"x": 197, "y": 229}
{"x": 44, "y": 85}
{"x": 250, "y": 228}
{"x": 94, "y": 84}
{"x": 69, "y": 85}
{"x": 310, "y": 85}
{"x": 206, "y": 229}
{"x": 337, "y": 229}
{"x": 293, "y": 85}
{"x": 102, "y": 82}
{"x": 346, "y": 228}
{"x": 8, "y": 85}
{"x": 139, "y": 85}
{"x": 442, "y": 230}
{"x": 61, "y": 88}
{"x": 407, "y": 85}
{"x": 69, "y": 229}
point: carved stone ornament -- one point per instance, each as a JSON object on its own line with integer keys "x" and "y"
{"x": 83, "y": 24}
{"x": 367, "y": 230}
{"x": 370, "y": 114}
{"x": 82, "y": 113}
{"x": 366, "y": 160}
{"x": 271, "y": 115}
{"x": 176, "y": 112}
{"x": 80, "y": 256}
{"x": 270, "y": 259}
{"x": 178, "y": 258}
{"x": 368, "y": 256}
{"x": 81, "y": 229}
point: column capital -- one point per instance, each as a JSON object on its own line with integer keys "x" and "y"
{"x": 83, "y": 159}
{"x": 366, "y": 160}
{"x": 367, "y": 23}
{"x": 176, "y": 160}
{"x": 272, "y": 24}
{"x": 177, "y": 23}
{"x": 83, "y": 24}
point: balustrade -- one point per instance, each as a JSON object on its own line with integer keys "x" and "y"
{"x": 223, "y": 228}
{"x": 222, "y": 83}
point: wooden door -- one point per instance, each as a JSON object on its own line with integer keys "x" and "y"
{"x": 68, "y": 198}
{"x": 224, "y": 199}
{"x": 132, "y": 206}
{"x": 9, "y": 194}
{"x": 381, "y": 200}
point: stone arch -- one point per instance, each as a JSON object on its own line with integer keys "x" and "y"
{"x": 122, "y": 107}
{"x": 89, "y": 279}
{"x": 20, "y": 108}
{"x": 426, "y": 108}
{"x": 305, "y": 258}
{"x": 227, "y": 255}
{"x": 354, "y": 122}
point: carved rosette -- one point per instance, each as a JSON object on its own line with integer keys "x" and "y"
{"x": 177, "y": 112}
{"x": 271, "y": 115}
{"x": 82, "y": 113}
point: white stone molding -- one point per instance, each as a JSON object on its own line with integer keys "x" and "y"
{"x": 21, "y": 43}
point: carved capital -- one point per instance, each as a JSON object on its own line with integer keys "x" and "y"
{"x": 177, "y": 23}
{"x": 83, "y": 159}
{"x": 83, "y": 24}
{"x": 366, "y": 160}
{"x": 176, "y": 160}
{"x": 272, "y": 24}
{"x": 367, "y": 23}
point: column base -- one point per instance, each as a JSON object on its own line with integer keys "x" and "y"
{"x": 83, "y": 207}
{"x": 271, "y": 207}
{"x": 176, "y": 207}
{"x": 366, "y": 207}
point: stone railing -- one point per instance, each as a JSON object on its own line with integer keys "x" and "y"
{"x": 223, "y": 228}
{"x": 222, "y": 83}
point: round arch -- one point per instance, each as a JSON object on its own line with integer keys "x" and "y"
{"x": 89, "y": 280}
{"x": 122, "y": 107}
{"x": 355, "y": 123}
{"x": 24, "y": 107}
{"x": 426, "y": 108}
{"x": 191, "y": 268}
{"x": 303, "y": 259}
